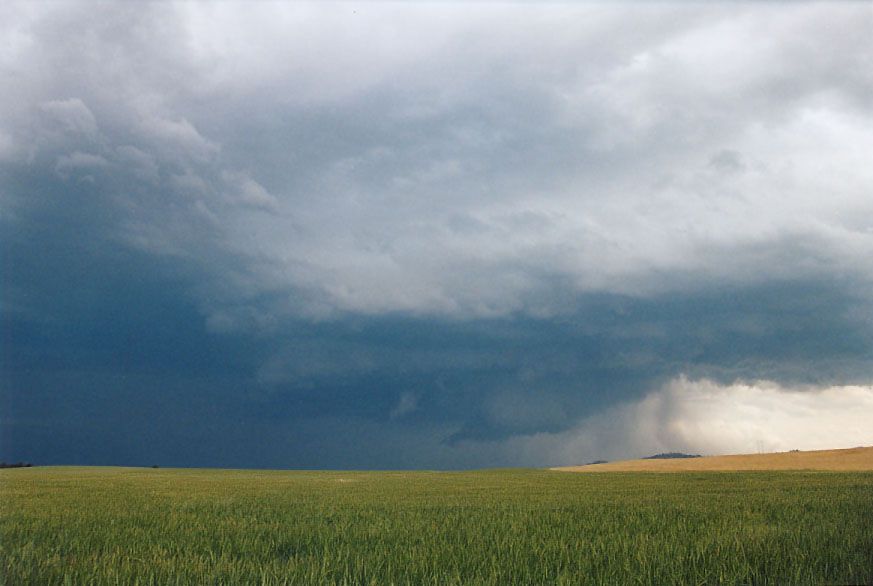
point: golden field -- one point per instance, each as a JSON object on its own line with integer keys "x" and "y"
{"x": 847, "y": 460}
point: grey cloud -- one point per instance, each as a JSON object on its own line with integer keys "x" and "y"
{"x": 79, "y": 161}
{"x": 177, "y": 138}
{"x": 490, "y": 119}
{"x": 143, "y": 165}
{"x": 72, "y": 114}
{"x": 728, "y": 161}
{"x": 451, "y": 227}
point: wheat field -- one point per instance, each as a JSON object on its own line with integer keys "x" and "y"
{"x": 106, "y": 526}
{"x": 853, "y": 459}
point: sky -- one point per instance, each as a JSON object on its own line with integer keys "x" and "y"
{"x": 412, "y": 235}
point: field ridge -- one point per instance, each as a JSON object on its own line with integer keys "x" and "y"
{"x": 857, "y": 459}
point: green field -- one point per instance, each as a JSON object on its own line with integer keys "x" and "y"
{"x": 126, "y": 526}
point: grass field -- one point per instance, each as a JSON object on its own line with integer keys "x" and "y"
{"x": 144, "y": 526}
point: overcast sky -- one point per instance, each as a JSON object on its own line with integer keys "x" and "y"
{"x": 443, "y": 235}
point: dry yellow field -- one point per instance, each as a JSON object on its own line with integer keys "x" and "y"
{"x": 852, "y": 459}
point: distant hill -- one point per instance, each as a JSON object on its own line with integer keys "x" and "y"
{"x": 671, "y": 456}
{"x": 852, "y": 459}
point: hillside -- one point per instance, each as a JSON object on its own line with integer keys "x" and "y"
{"x": 852, "y": 459}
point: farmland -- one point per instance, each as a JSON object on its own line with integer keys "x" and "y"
{"x": 846, "y": 460}
{"x": 165, "y": 526}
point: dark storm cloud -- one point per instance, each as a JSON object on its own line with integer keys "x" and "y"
{"x": 325, "y": 392}
{"x": 292, "y": 235}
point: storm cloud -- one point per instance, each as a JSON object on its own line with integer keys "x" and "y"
{"x": 402, "y": 235}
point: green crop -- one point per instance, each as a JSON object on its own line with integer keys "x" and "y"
{"x": 145, "y": 526}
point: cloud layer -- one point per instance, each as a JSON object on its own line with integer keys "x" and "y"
{"x": 444, "y": 227}
{"x": 471, "y": 162}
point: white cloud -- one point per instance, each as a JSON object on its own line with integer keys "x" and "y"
{"x": 701, "y": 416}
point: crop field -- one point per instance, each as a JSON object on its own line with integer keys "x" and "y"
{"x": 163, "y": 526}
{"x": 845, "y": 460}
